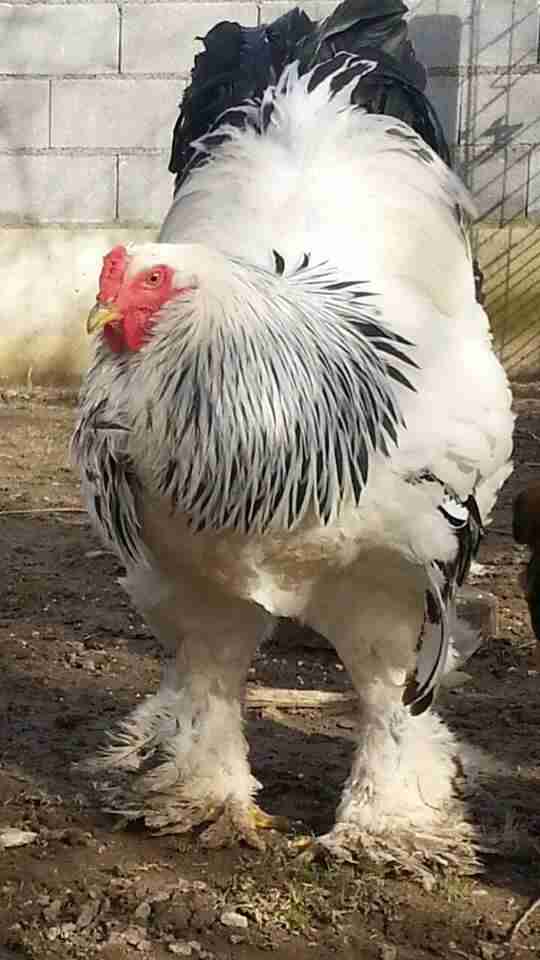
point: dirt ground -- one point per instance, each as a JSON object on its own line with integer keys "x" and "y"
{"x": 75, "y": 657}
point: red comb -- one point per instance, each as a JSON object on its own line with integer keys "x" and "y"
{"x": 112, "y": 274}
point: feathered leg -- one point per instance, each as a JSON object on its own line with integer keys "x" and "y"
{"x": 399, "y": 804}
{"x": 181, "y": 759}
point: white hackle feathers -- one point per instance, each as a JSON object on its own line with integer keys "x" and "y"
{"x": 279, "y": 409}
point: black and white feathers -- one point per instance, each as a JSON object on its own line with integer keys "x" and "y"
{"x": 269, "y": 420}
{"x": 331, "y": 352}
{"x": 463, "y": 518}
{"x": 240, "y": 63}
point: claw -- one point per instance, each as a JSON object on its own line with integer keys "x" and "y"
{"x": 302, "y": 844}
{"x": 266, "y": 821}
{"x": 309, "y": 849}
{"x": 240, "y": 824}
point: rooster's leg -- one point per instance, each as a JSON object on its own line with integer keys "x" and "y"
{"x": 399, "y": 805}
{"x": 181, "y": 760}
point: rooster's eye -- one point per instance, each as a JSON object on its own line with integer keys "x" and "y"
{"x": 153, "y": 279}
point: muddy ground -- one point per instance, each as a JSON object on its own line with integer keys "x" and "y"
{"x": 75, "y": 657}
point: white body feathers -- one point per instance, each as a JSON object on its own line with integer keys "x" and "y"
{"x": 335, "y": 192}
{"x": 346, "y": 188}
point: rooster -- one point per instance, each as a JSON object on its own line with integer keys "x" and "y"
{"x": 295, "y": 410}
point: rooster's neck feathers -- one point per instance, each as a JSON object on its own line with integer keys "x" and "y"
{"x": 278, "y": 409}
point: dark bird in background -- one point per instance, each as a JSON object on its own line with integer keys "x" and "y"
{"x": 526, "y": 530}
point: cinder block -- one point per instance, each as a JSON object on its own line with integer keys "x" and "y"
{"x": 445, "y": 95}
{"x": 24, "y": 112}
{"x": 504, "y": 32}
{"x": 51, "y": 38}
{"x": 118, "y": 113}
{"x": 502, "y": 109}
{"x": 49, "y": 187}
{"x": 160, "y": 37}
{"x": 498, "y": 181}
{"x": 145, "y": 188}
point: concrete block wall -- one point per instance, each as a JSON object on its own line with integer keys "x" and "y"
{"x": 89, "y": 91}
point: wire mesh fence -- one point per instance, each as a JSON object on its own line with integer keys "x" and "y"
{"x": 484, "y": 63}
{"x": 499, "y": 134}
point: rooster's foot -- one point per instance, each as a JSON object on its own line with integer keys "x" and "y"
{"x": 422, "y": 856}
{"x": 156, "y": 770}
{"x": 226, "y": 824}
{"x": 237, "y": 824}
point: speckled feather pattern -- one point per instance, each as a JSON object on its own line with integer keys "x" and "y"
{"x": 310, "y": 369}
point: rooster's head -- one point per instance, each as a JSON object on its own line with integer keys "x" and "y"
{"x": 134, "y": 285}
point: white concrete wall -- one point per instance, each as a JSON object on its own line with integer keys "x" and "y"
{"x": 89, "y": 91}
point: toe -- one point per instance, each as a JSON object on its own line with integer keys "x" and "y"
{"x": 266, "y": 821}
{"x": 235, "y": 825}
{"x": 240, "y": 824}
{"x": 309, "y": 849}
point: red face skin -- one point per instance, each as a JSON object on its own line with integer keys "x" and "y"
{"x": 137, "y": 300}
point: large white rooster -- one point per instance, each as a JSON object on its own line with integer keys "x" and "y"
{"x": 295, "y": 410}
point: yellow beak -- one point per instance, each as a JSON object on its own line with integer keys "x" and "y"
{"x": 101, "y": 314}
